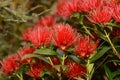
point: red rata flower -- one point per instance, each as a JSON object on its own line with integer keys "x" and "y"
{"x": 110, "y": 3}
{"x": 46, "y": 21}
{"x": 10, "y": 63}
{"x": 101, "y": 15}
{"x": 85, "y": 46}
{"x": 25, "y": 34}
{"x": 88, "y": 5}
{"x": 74, "y": 69}
{"x": 55, "y": 61}
{"x": 36, "y": 69}
{"x": 24, "y": 51}
{"x": 64, "y": 36}
{"x": 116, "y": 32}
{"x": 40, "y": 36}
{"x": 66, "y": 7}
{"x": 116, "y": 14}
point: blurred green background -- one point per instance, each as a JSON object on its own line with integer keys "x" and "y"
{"x": 15, "y": 17}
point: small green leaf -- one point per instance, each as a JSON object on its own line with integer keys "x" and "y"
{"x": 58, "y": 67}
{"x": 75, "y": 58}
{"x": 79, "y": 79}
{"x": 108, "y": 72}
{"x": 115, "y": 73}
{"x": 45, "y": 52}
{"x": 99, "y": 54}
{"x": 44, "y": 72}
{"x": 29, "y": 56}
{"x": 102, "y": 36}
{"x": 36, "y": 56}
{"x": 90, "y": 67}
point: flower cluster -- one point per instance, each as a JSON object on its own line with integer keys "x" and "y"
{"x": 61, "y": 36}
{"x": 100, "y": 11}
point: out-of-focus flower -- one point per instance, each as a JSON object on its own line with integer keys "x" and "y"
{"x": 101, "y": 15}
{"x": 41, "y": 36}
{"x": 85, "y": 46}
{"x": 55, "y": 61}
{"x": 25, "y": 34}
{"x": 116, "y": 32}
{"x": 64, "y": 36}
{"x": 10, "y": 64}
{"x": 116, "y": 14}
{"x": 46, "y": 21}
{"x": 74, "y": 69}
{"x": 24, "y": 51}
{"x": 66, "y": 7}
{"x": 35, "y": 70}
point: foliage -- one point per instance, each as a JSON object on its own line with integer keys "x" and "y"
{"x": 72, "y": 40}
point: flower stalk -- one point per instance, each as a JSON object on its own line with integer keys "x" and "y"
{"x": 113, "y": 48}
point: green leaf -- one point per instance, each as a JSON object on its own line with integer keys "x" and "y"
{"x": 45, "y": 52}
{"x": 75, "y": 58}
{"x": 102, "y": 36}
{"x": 99, "y": 54}
{"x": 90, "y": 67}
{"x": 57, "y": 67}
{"x": 22, "y": 69}
{"x": 115, "y": 73}
{"x": 79, "y": 79}
{"x": 35, "y": 56}
{"x": 29, "y": 56}
{"x": 108, "y": 72}
{"x": 44, "y": 72}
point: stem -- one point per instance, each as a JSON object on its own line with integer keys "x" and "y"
{"x": 43, "y": 79}
{"x": 19, "y": 76}
{"x": 87, "y": 76}
{"x": 90, "y": 70}
{"x": 88, "y": 31}
{"x": 113, "y": 48}
{"x": 34, "y": 79}
{"x": 50, "y": 61}
{"x": 63, "y": 59}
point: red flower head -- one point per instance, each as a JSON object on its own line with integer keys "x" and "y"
{"x": 101, "y": 15}
{"x": 24, "y": 51}
{"x": 55, "y": 61}
{"x": 116, "y": 32}
{"x": 88, "y": 5}
{"x": 74, "y": 69}
{"x": 25, "y": 34}
{"x": 110, "y": 3}
{"x": 36, "y": 69}
{"x": 85, "y": 46}
{"x": 64, "y": 36}
{"x": 66, "y": 7}
{"x": 10, "y": 63}
{"x": 41, "y": 36}
{"x": 46, "y": 21}
{"x": 116, "y": 14}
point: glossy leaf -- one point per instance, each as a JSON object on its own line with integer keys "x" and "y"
{"x": 29, "y": 56}
{"x": 108, "y": 72}
{"x": 99, "y": 54}
{"x": 45, "y": 52}
{"x": 35, "y": 56}
{"x": 75, "y": 58}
